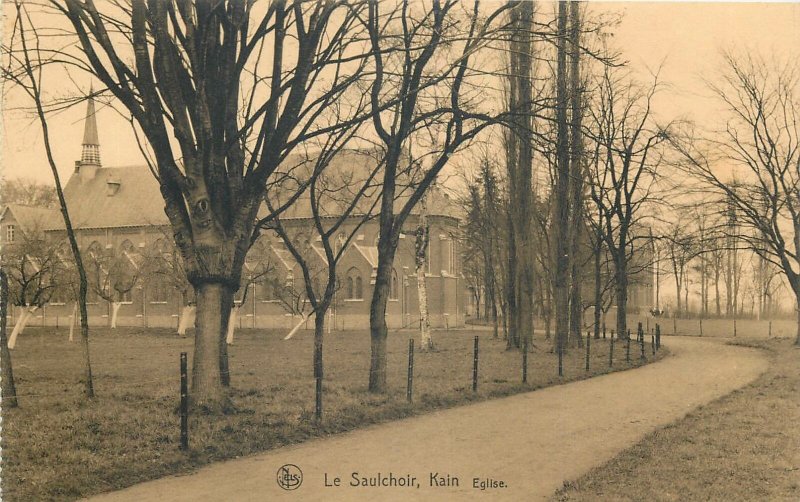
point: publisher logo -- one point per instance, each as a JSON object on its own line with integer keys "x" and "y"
{"x": 290, "y": 477}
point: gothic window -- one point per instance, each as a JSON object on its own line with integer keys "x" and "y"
{"x": 95, "y": 250}
{"x": 9, "y": 233}
{"x": 340, "y": 241}
{"x": 355, "y": 285}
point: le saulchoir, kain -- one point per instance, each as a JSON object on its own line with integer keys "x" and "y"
{"x": 435, "y": 480}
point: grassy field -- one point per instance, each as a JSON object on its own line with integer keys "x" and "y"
{"x": 58, "y": 446}
{"x": 745, "y": 328}
{"x": 744, "y": 446}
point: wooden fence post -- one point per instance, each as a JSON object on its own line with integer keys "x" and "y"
{"x": 611, "y": 351}
{"x": 588, "y": 349}
{"x": 628, "y": 348}
{"x": 641, "y": 345}
{"x": 475, "y": 367}
{"x": 410, "y": 370}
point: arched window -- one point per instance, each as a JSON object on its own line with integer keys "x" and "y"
{"x": 340, "y": 240}
{"x": 355, "y": 285}
{"x": 359, "y": 289}
{"x": 95, "y": 250}
{"x": 162, "y": 248}
{"x": 126, "y": 246}
{"x": 393, "y": 286}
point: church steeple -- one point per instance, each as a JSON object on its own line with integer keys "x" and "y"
{"x": 90, "y": 156}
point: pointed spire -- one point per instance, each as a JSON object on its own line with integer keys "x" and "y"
{"x": 91, "y": 142}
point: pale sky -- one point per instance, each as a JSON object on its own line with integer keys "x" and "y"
{"x": 687, "y": 37}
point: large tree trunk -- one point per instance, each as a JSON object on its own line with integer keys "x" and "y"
{"x": 426, "y": 341}
{"x": 576, "y": 175}
{"x": 379, "y": 331}
{"x": 796, "y": 288}
{"x": 7, "y": 387}
{"x": 319, "y": 333}
{"x": 561, "y": 192}
{"x": 520, "y": 176}
{"x": 797, "y": 337}
{"x": 621, "y": 271}
{"x": 207, "y": 391}
{"x": 420, "y": 250}
{"x": 25, "y": 315}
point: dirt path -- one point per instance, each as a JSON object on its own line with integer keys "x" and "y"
{"x": 530, "y": 442}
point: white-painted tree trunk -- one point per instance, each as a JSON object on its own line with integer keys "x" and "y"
{"x": 114, "y": 311}
{"x": 72, "y": 320}
{"x": 420, "y": 249}
{"x": 22, "y": 320}
{"x": 426, "y": 341}
{"x": 296, "y": 328}
{"x": 186, "y": 319}
{"x": 232, "y": 324}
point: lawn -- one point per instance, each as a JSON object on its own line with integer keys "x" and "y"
{"x": 58, "y": 446}
{"x": 745, "y": 328}
{"x": 743, "y": 446}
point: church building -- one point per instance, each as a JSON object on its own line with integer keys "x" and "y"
{"x": 118, "y": 214}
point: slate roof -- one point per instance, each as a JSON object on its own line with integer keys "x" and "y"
{"x": 32, "y": 218}
{"x": 137, "y": 202}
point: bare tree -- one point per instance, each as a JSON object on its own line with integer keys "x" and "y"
{"x": 164, "y": 265}
{"x": 761, "y": 140}
{"x": 341, "y": 198}
{"x": 113, "y": 275}
{"x": 626, "y": 156}
{"x": 27, "y": 193}
{"x": 32, "y": 266}
{"x": 25, "y": 71}
{"x": 519, "y": 164}
{"x": 422, "y": 60}
{"x": 190, "y": 76}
